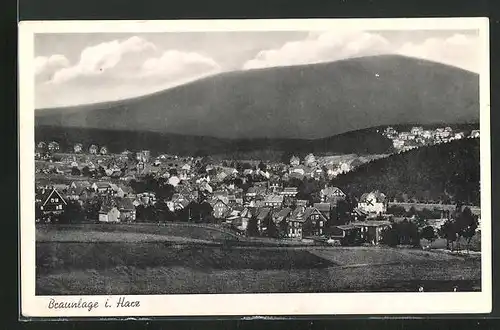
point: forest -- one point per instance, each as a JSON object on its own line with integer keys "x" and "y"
{"x": 443, "y": 173}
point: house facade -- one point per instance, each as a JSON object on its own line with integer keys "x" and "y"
{"x": 109, "y": 214}
{"x": 373, "y": 202}
{"x": 52, "y": 202}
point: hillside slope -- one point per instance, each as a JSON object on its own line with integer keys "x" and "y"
{"x": 445, "y": 172}
{"x": 302, "y": 102}
{"x": 366, "y": 141}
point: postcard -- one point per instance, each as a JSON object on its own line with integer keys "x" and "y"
{"x": 254, "y": 167}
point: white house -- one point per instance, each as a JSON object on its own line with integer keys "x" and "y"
{"x": 373, "y": 202}
{"x": 109, "y": 214}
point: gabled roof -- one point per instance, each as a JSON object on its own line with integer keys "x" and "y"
{"x": 332, "y": 191}
{"x": 323, "y": 207}
{"x": 273, "y": 199}
{"x": 298, "y": 215}
{"x": 107, "y": 206}
{"x": 379, "y": 197}
{"x": 282, "y": 214}
{"x": 51, "y": 193}
{"x": 101, "y": 184}
{"x": 263, "y": 212}
{"x": 310, "y": 211}
{"x": 125, "y": 204}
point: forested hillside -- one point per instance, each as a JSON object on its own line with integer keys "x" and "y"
{"x": 447, "y": 173}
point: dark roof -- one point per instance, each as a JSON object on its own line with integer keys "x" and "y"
{"x": 283, "y": 213}
{"x": 263, "y": 212}
{"x": 125, "y": 204}
{"x": 298, "y": 215}
{"x": 323, "y": 207}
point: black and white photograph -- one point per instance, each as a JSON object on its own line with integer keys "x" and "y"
{"x": 252, "y": 166}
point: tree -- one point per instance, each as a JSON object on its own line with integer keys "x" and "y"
{"x": 272, "y": 229}
{"x": 165, "y": 191}
{"x": 252, "y": 228}
{"x": 86, "y": 171}
{"x": 428, "y": 233}
{"x": 390, "y": 237}
{"x": 92, "y": 208}
{"x": 75, "y": 171}
{"x": 73, "y": 213}
{"x": 163, "y": 213}
{"x": 466, "y": 225}
{"x": 448, "y": 232}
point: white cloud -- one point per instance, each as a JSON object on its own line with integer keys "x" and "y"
{"x": 97, "y": 60}
{"x": 116, "y": 70}
{"x": 176, "y": 63}
{"x": 458, "y": 50}
{"x": 321, "y": 47}
{"x": 46, "y": 66}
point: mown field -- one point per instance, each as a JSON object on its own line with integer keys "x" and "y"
{"x": 93, "y": 262}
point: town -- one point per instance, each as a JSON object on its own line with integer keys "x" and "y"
{"x": 290, "y": 201}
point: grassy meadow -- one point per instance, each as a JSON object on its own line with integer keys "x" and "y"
{"x": 177, "y": 259}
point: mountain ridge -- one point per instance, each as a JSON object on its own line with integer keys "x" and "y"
{"x": 305, "y": 102}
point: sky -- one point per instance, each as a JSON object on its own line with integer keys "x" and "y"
{"x": 84, "y": 68}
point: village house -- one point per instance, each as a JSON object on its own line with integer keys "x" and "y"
{"x": 126, "y": 209}
{"x": 416, "y": 130}
{"x": 316, "y": 220}
{"x": 52, "y": 203}
{"x": 273, "y": 201}
{"x": 53, "y": 146}
{"x": 289, "y": 192}
{"x": 474, "y": 134}
{"x": 220, "y": 209}
{"x": 103, "y": 151}
{"x": 310, "y": 160}
{"x": 93, "y": 149}
{"x": 331, "y": 195}
{"x": 143, "y": 156}
{"x": 102, "y": 187}
{"x": 373, "y": 202}
{"x": 222, "y": 195}
{"x": 326, "y": 209}
{"x": 109, "y": 213}
{"x": 294, "y": 161}
{"x": 295, "y": 223}
{"x": 41, "y": 145}
{"x": 357, "y": 233}
{"x": 263, "y": 216}
{"x": 280, "y": 217}
{"x": 77, "y": 148}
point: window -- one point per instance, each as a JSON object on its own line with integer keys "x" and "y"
{"x": 56, "y": 200}
{"x": 321, "y": 223}
{"x": 52, "y": 200}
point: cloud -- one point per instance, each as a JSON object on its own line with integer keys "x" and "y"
{"x": 321, "y": 47}
{"x": 97, "y": 60}
{"x": 116, "y": 70}
{"x": 46, "y": 66}
{"x": 173, "y": 63}
{"x": 457, "y": 50}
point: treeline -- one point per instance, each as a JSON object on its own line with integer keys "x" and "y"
{"x": 462, "y": 225}
{"x": 443, "y": 173}
{"x": 366, "y": 141}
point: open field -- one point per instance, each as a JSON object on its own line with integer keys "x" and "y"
{"x": 133, "y": 232}
{"x": 159, "y": 262}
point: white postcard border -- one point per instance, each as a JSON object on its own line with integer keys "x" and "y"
{"x": 245, "y": 304}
